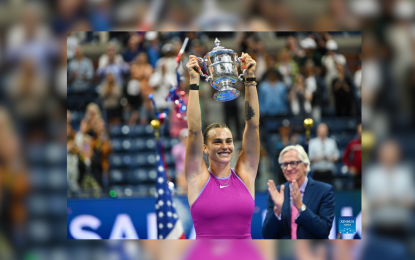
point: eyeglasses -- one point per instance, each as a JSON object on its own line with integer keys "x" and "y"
{"x": 293, "y": 164}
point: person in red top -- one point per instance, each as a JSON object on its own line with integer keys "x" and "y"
{"x": 354, "y": 148}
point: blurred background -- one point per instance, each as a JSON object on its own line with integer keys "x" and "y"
{"x": 32, "y": 39}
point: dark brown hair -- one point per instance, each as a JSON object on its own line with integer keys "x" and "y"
{"x": 210, "y": 127}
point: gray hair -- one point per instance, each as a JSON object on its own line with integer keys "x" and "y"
{"x": 302, "y": 155}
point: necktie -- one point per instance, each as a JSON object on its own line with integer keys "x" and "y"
{"x": 294, "y": 214}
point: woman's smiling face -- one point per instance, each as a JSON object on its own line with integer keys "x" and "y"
{"x": 219, "y": 145}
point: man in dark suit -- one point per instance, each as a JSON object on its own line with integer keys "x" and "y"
{"x": 302, "y": 208}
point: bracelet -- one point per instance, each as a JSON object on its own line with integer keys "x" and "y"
{"x": 250, "y": 83}
{"x": 194, "y": 87}
{"x": 250, "y": 79}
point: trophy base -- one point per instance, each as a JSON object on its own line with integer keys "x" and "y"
{"x": 226, "y": 93}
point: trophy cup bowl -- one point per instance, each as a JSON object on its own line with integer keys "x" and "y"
{"x": 222, "y": 66}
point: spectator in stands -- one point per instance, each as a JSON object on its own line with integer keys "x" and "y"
{"x": 354, "y": 150}
{"x": 330, "y": 61}
{"x": 287, "y": 67}
{"x": 72, "y": 43}
{"x": 285, "y": 138}
{"x": 80, "y": 72}
{"x": 295, "y": 50}
{"x": 273, "y": 96}
{"x": 315, "y": 84}
{"x": 342, "y": 87}
{"x": 89, "y": 149}
{"x": 311, "y": 55}
{"x": 164, "y": 76}
{"x": 153, "y": 48}
{"x": 111, "y": 54}
{"x": 110, "y": 94}
{"x": 28, "y": 94}
{"x": 323, "y": 153}
{"x": 300, "y": 98}
{"x": 111, "y": 62}
{"x": 133, "y": 47}
{"x": 178, "y": 152}
{"x": 197, "y": 48}
{"x": 138, "y": 88}
{"x": 389, "y": 189}
{"x": 101, "y": 147}
{"x": 92, "y": 114}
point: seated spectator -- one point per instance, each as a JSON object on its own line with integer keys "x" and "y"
{"x": 323, "y": 153}
{"x": 354, "y": 150}
{"x": 138, "y": 88}
{"x": 110, "y": 94}
{"x": 113, "y": 63}
{"x": 315, "y": 84}
{"x": 300, "y": 98}
{"x": 342, "y": 87}
{"x": 80, "y": 72}
{"x": 133, "y": 48}
{"x": 178, "y": 152}
{"x": 287, "y": 67}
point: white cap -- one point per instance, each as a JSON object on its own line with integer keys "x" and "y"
{"x": 308, "y": 43}
{"x": 331, "y": 45}
{"x": 151, "y": 36}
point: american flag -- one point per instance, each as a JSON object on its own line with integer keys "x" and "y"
{"x": 169, "y": 225}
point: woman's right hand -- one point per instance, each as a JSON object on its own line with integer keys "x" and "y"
{"x": 193, "y": 69}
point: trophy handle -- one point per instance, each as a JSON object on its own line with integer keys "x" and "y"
{"x": 241, "y": 76}
{"x": 207, "y": 77}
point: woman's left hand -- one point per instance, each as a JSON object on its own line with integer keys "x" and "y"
{"x": 249, "y": 64}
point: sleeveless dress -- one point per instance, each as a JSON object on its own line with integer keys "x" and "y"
{"x": 223, "y": 213}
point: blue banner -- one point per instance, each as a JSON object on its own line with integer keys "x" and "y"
{"x": 120, "y": 218}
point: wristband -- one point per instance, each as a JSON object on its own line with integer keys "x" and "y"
{"x": 250, "y": 79}
{"x": 194, "y": 87}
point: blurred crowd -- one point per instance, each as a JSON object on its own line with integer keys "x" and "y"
{"x": 306, "y": 77}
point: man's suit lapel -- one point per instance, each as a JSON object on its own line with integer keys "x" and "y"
{"x": 286, "y": 211}
{"x": 308, "y": 193}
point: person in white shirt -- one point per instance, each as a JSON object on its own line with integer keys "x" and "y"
{"x": 323, "y": 153}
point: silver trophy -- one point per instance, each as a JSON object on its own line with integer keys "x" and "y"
{"x": 222, "y": 65}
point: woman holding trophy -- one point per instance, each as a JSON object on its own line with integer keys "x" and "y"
{"x": 222, "y": 199}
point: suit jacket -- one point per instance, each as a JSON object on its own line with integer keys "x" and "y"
{"x": 315, "y": 222}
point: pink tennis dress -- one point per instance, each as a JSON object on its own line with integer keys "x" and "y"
{"x": 223, "y": 211}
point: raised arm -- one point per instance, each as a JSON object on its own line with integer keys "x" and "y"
{"x": 248, "y": 161}
{"x": 194, "y": 165}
